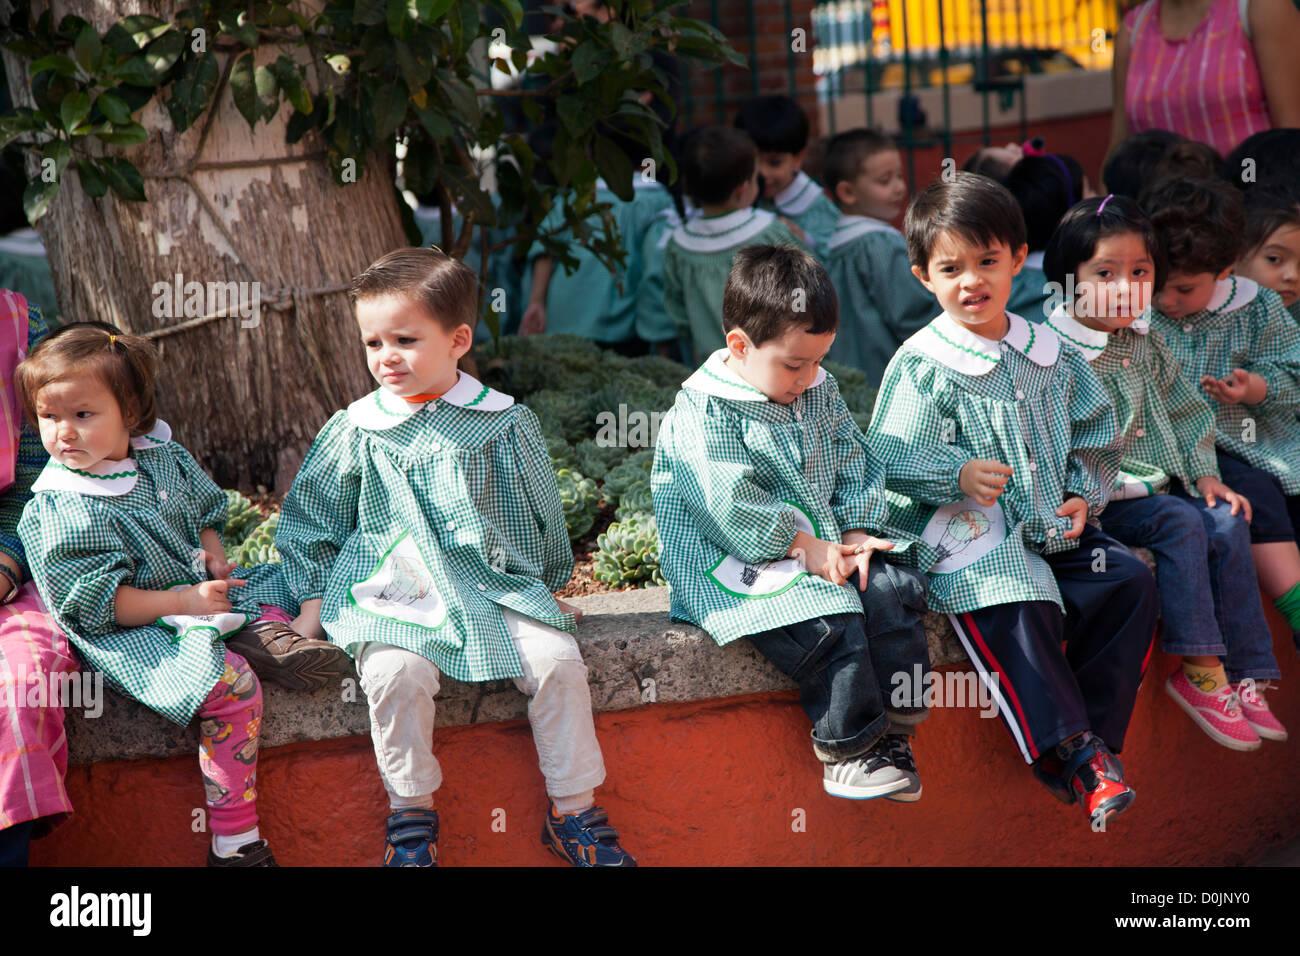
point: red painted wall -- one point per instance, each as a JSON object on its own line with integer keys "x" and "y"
{"x": 720, "y": 782}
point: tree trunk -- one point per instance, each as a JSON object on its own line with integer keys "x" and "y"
{"x": 246, "y": 394}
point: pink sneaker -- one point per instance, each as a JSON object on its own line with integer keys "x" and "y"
{"x": 1218, "y": 714}
{"x": 1255, "y": 709}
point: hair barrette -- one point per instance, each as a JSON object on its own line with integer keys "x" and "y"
{"x": 1109, "y": 197}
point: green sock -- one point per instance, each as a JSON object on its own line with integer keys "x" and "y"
{"x": 1288, "y": 605}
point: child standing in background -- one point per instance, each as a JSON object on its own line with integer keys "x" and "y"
{"x": 779, "y": 129}
{"x": 720, "y": 168}
{"x": 881, "y": 302}
{"x": 1045, "y": 187}
{"x": 1272, "y": 244}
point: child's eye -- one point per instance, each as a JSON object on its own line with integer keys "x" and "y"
{"x": 1140, "y": 271}
{"x": 992, "y": 261}
{"x": 793, "y": 368}
{"x": 1103, "y": 273}
{"x": 405, "y": 340}
{"x": 1274, "y": 260}
{"x": 85, "y": 414}
{"x": 372, "y": 343}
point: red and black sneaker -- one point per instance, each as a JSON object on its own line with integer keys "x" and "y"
{"x": 1096, "y": 780}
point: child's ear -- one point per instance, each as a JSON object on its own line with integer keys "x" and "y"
{"x": 462, "y": 340}
{"x": 738, "y": 343}
{"x": 1223, "y": 275}
{"x": 844, "y": 194}
{"x": 923, "y": 277}
{"x": 1018, "y": 258}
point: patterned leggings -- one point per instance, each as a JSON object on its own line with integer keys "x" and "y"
{"x": 231, "y": 718}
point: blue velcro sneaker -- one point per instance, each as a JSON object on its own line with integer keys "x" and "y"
{"x": 412, "y": 838}
{"x": 584, "y": 839}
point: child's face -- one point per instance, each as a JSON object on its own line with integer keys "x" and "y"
{"x": 407, "y": 351}
{"x": 780, "y": 368}
{"x": 778, "y": 170}
{"x": 879, "y": 190}
{"x": 972, "y": 283}
{"x": 1185, "y": 293}
{"x": 1276, "y": 264}
{"x": 81, "y": 423}
{"x": 1114, "y": 286}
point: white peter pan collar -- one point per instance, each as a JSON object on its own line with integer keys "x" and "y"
{"x": 849, "y": 227}
{"x": 1088, "y": 341}
{"x": 795, "y": 199}
{"x": 715, "y": 378}
{"x": 105, "y": 478}
{"x": 381, "y": 409}
{"x": 948, "y": 342}
{"x": 723, "y": 232}
{"x": 1232, "y": 293}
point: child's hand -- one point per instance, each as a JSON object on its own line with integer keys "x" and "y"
{"x": 570, "y": 609}
{"x": 307, "y": 623}
{"x": 983, "y": 480}
{"x": 1076, "y": 509}
{"x": 1238, "y": 388}
{"x": 1212, "y": 489}
{"x": 218, "y": 567}
{"x": 863, "y": 545}
{"x": 823, "y": 558}
{"x": 210, "y": 597}
{"x": 534, "y": 320}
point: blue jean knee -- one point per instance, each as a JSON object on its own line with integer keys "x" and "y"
{"x": 828, "y": 658}
{"x": 894, "y": 605}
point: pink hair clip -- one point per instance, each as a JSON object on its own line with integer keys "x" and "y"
{"x": 1109, "y": 197}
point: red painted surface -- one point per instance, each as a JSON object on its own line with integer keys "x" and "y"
{"x": 724, "y": 782}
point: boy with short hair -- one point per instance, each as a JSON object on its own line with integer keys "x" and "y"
{"x": 999, "y": 444}
{"x": 767, "y": 500}
{"x": 867, "y": 257}
{"x": 719, "y": 166}
{"x": 779, "y": 128}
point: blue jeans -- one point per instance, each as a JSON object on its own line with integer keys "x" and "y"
{"x": 1209, "y": 595}
{"x": 845, "y": 664}
{"x": 14, "y": 843}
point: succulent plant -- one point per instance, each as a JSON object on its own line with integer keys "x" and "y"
{"x": 629, "y": 553}
{"x": 846, "y": 375}
{"x": 596, "y": 460}
{"x": 619, "y": 480}
{"x": 562, "y": 414}
{"x": 861, "y": 399}
{"x": 560, "y": 453}
{"x": 241, "y": 519}
{"x": 636, "y": 500}
{"x": 259, "y": 547}
{"x": 579, "y": 498}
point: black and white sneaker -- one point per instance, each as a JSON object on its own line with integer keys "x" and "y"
{"x": 900, "y": 754}
{"x": 865, "y": 776}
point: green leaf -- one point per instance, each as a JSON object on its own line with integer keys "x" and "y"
{"x": 70, "y": 27}
{"x": 300, "y": 124}
{"x": 164, "y": 52}
{"x": 128, "y": 134}
{"x": 390, "y": 110}
{"x": 291, "y": 82}
{"x": 135, "y": 70}
{"x": 589, "y": 58}
{"x": 193, "y": 90}
{"x": 135, "y": 97}
{"x": 114, "y": 108}
{"x": 460, "y": 95}
{"x": 124, "y": 179}
{"x": 243, "y": 89}
{"x": 55, "y": 61}
{"x": 132, "y": 34}
{"x": 92, "y": 180}
{"x": 88, "y": 48}
{"x": 37, "y": 198}
{"x": 20, "y": 121}
{"x": 59, "y": 150}
{"x": 399, "y": 20}
{"x": 369, "y": 12}
{"x": 74, "y": 108}
{"x": 464, "y": 25}
{"x": 510, "y": 8}
{"x": 573, "y": 114}
{"x": 435, "y": 123}
{"x": 414, "y": 72}
{"x": 615, "y": 167}
{"x": 246, "y": 31}
{"x": 268, "y": 91}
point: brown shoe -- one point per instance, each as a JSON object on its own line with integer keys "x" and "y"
{"x": 281, "y": 655}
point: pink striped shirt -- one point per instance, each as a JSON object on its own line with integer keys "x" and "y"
{"x": 1205, "y": 86}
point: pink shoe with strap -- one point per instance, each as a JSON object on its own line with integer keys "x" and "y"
{"x": 1218, "y": 714}
{"x": 1255, "y": 709}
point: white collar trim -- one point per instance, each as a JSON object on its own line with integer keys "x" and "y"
{"x": 381, "y": 409}
{"x": 723, "y": 232}
{"x": 714, "y": 377}
{"x": 1232, "y": 293}
{"x": 950, "y": 343}
{"x": 796, "y": 198}
{"x": 105, "y": 478}
{"x": 849, "y": 227}
{"x": 1088, "y": 341}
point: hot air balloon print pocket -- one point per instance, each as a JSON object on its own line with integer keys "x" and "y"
{"x": 212, "y": 626}
{"x": 963, "y": 532}
{"x": 766, "y": 578}
{"x": 401, "y": 588}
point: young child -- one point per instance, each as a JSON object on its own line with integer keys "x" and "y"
{"x": 999, "y": 445}
{"x": 1199, "y": 531}
{"x": 720, "y": 168}
{"x": 123, "y": 538}
{"x": 779, "y": 129}
{"x": 424, "y": 535}
{"x": 1272, "y": 244}
{"x": 867, "y": 257}
{"x": 1236, "y": 342}
{"x": 768, "y": 501}
{"x": 1045, "y": 186}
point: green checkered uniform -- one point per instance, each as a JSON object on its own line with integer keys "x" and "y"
{"x": 417, "y": 524}
{"x": 1167, "y": 427}
{"x": 142, "y": 531}
{"x": 949, "y": 397}
{"x": 697, "y": 261}
{"x": 735, "y": 476}
{"x": 1246, "y": 326}
{"x": 806, "y": 204}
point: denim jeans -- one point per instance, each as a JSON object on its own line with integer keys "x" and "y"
{"x": 1209, "y": 595}
{"x": 845, "y": 664}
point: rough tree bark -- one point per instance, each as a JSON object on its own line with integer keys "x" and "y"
{"x": 246, "y": 401}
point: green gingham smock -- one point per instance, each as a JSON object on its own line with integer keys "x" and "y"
{"x": 806, "y": 204}
{"x": 697, "y": 261}
{"x": 1246, "y": 326}
{"x": 136, "y": 522}
{"x": 1166, "y": 426}
{"x": 881, "y": 302}
{"x": 950, "y": 396}
{"x": 418, "y": 523}
{"x": 735, "y": 476}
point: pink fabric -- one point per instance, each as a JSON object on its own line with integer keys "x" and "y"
{"x": 1205, "y": 86}
{"x": 230, "y": 722}
{"x": 33, "y": 748}
{"x": 272, "y": 613}
{"x": 13, "y": 349}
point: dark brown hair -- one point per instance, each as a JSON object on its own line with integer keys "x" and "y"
{"x": 444, "y": 287}
{"x": 126, "y": 364}
{"x": 715, "y": 161}
{"x": 1201, "y": 223}
{"x": 1268, "y": 209}
{"x": 973, "y": 207}
{"x": 772, "y": 289}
